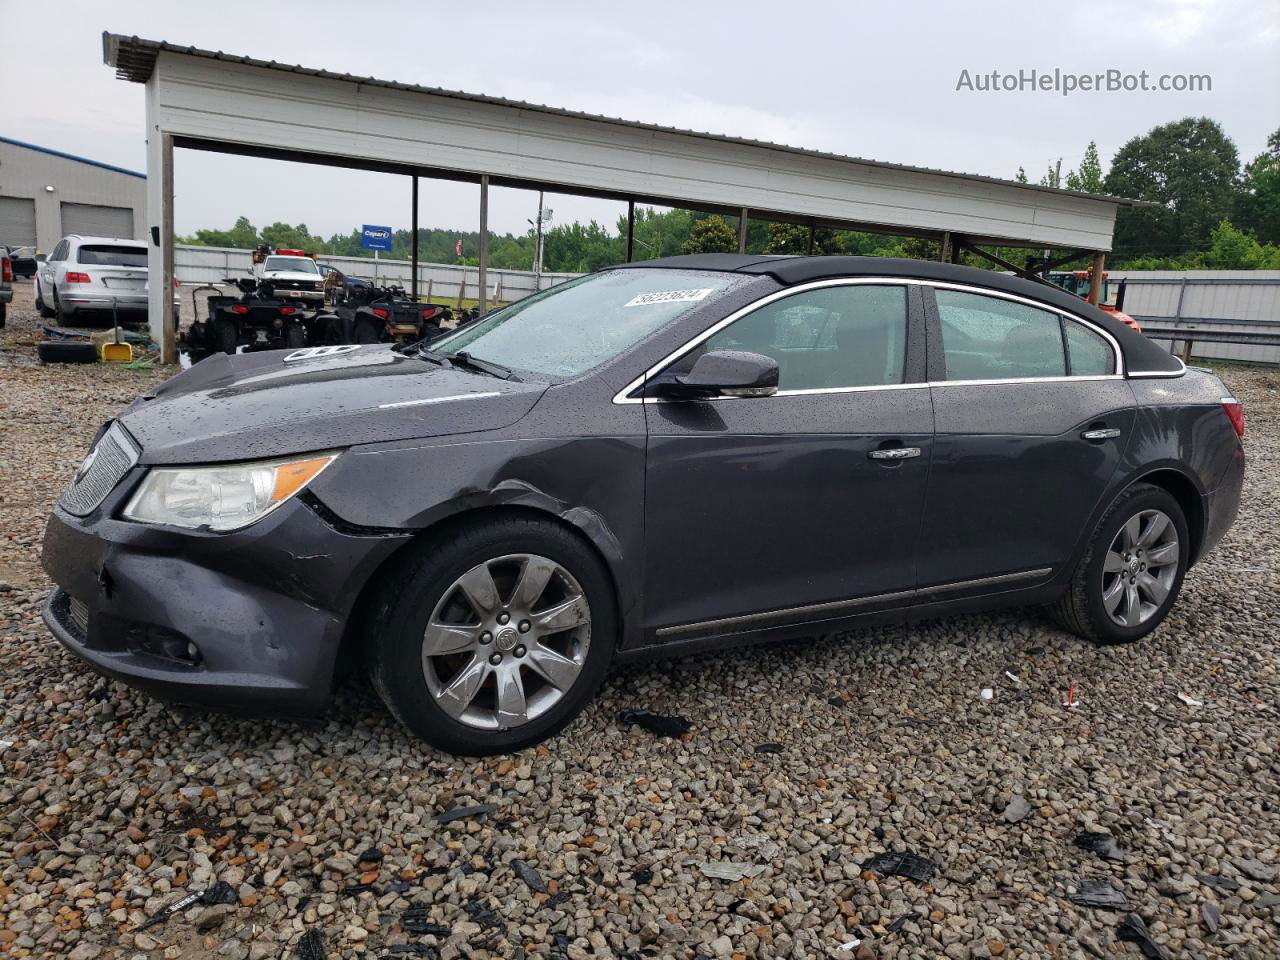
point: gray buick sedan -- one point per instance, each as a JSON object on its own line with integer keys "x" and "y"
{"x": 665, "y": 457}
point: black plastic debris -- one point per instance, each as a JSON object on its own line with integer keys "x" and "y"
{"x": 1099, "y": 893}
{"x": 220, "y": 892}
{"x": 1211, "y": 917}
{"x": 643, "y": 877}
{"x": 554, "y": 901}
{"x": 1103, "y": 844}
{"x": 461, "y": 813}
{"x": 164, "y": 913}
{"x": 769, "y": 748}
{"x": 901, "y": 922}
{"x": 414, "y": 920}
{"x": 656, "y": 723}
{"x": 398, "y": 886}
{"x": 532, "y": 879}
{"x": 1225, "y": 884}
{"x": 1135, "y": 931}
{"x": 482, "y": 914}
{"x": 311, "y": 946}
{"x": 355, "y": 889}
{"x": 908, "y": 865}
{"x": 838, "y": 701}
{"x": 372, "y": 855}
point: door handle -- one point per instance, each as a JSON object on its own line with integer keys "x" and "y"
{"x": 1102, "y": 433}
{"x": 894, "y": 453}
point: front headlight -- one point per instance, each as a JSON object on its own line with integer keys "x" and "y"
{"x": 223, "y": 497}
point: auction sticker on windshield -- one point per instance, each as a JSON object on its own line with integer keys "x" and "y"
{"x": 668, "y": 296}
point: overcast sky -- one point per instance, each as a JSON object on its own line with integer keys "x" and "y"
{"x": 875, "y": 80}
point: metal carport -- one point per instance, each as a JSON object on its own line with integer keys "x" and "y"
{"x": 210, "y": 100}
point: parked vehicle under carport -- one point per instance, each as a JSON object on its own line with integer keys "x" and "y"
{"x": 662, "y": 458}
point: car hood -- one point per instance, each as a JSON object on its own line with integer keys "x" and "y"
{"x": 273, "y": 403}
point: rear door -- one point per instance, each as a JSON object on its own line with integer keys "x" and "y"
{"x": 1032, "y": 418}
{"x": 802, "y": 506}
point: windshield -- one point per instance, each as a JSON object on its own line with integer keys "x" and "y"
{"x": 292, "y": 264}
{"x": 567, "y": 330}
{"x": 102, "y": 255}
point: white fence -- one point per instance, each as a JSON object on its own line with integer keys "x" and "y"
{"x": 441, "y": 282}
{"x": 1229, "y": 301}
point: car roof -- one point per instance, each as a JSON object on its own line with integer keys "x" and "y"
{"x": 1140, "y": 353}
{"x": 129, "y": 241}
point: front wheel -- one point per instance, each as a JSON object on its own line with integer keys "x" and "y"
{"x": 1130, "y": 576}
{"x": 496, "y": 639}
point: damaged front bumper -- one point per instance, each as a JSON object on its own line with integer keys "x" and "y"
{"x": 248, "y": 621}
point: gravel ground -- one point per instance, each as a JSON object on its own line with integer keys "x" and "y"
{"x": 112, "y": 806}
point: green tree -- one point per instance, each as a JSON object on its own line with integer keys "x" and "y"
{"x": 1088, "y": 178}
{"x": 793, "y": 238}
{"x": 1189, "y": 168}
{"x": 711, "y": 234}
{"x": 242, "y": 234}
{"x": 1020, "y": 176}
{"x": 1258, "y": 203}
{"x": 291, "y": 237}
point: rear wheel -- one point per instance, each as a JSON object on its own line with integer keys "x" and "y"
{"x": 41, "y": 306}
{"x": 1130, "y": 576}
{"x": 61, "y": 317}
{"x": 295, "y": 336}
{"x": 226, "y": 335}
{"x": 496, "y": 639}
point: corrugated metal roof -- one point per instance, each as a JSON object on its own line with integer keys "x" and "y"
{"x": 71, "y": 156}
{"x": 134, "y": 59}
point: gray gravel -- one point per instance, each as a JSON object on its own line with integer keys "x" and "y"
{"x": 112, "y": 807}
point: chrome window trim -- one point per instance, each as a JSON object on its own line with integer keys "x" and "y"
{"x": 622, "y": 396}
{"x": 1144, "y": 374}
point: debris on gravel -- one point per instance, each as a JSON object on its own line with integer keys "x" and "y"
{"x": 113, "y": 806}
{"x": 657, "y": 724}
{"x": 1103, "y": 844}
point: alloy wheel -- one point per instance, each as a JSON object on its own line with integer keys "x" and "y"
{"x": 506, "y": 641}
{"x": 1140, "y": 568}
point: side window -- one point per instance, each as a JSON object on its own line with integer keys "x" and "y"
{"x": 847, "y": 336}
{"x": 987, "y": 338}
{"x": 1090, "y": 355}
{"x": 59, "y": 251}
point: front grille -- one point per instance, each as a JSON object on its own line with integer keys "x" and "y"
{"x": 295, "y": 284}
{"x": 110, "y": 459}
{"x": 78, "y": 614}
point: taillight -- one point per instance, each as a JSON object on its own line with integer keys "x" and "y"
{"x": 6, "y": 270}
{"x": 379, "y": 312}
{"x": 286, "y": 311}
{"x": 75, "y": 277}
{"x": 240, "y": 308}
{"x": 1234, "y": 410}
{"x": 428, "y": 313}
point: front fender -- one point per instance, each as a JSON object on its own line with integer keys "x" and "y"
{"x": 594, "y": 484}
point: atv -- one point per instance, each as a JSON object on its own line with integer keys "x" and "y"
{"x": 257, "y": 319}
{"x": 369, "y": 314}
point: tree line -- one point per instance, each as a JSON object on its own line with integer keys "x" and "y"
{"x": 1208, "y": 212}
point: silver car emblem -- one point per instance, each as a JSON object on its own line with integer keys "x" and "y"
{"x": 88, "y": 462}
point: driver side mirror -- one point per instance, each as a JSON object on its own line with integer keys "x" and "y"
{"x": 725, "y": 373}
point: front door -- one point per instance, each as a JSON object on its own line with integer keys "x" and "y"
{"x": 1032, "y": 420}
{"x": 787, "y": 509}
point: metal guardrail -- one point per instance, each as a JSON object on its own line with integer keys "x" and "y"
{"x": 1188, "y": 330}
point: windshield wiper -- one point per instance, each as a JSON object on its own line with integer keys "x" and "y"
{"x": 464, "y": 359}
{"x": 425, "y": 353}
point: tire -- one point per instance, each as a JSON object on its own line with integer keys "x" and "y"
{"x": 226, "y": 335}
{"x": 4, "y": 310}
{"x": 43, "y": 310}
{"x": 366, "y": 331}
{"x": 1099, "y": 605}
{"x": 295, "y": 336}
{"x": 60, "y": 316}
{"x": 415, "y": 686}
{"x": 70, "y": 351}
